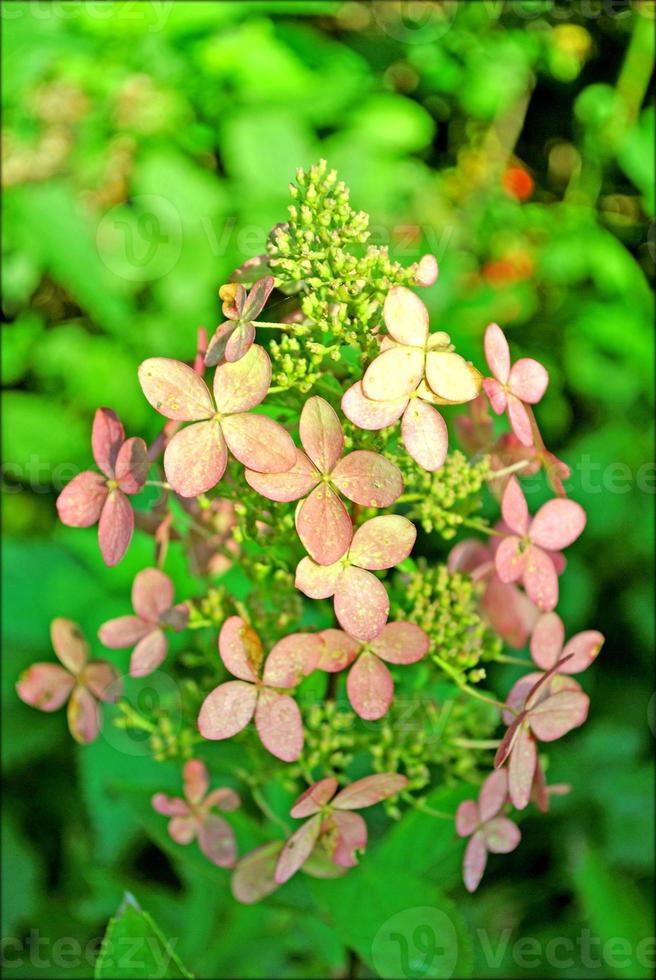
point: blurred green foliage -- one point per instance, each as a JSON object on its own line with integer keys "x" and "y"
{"x": 147, "y": 150}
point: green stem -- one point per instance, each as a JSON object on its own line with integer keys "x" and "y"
{"x": 504, "y": 658}
{"x": 480, "y": 526}
{"x": 466, "y": 689}
{"x": 267, "y": 811}
{"x": 476, "y": 743}
{"x": 496, "y": 474}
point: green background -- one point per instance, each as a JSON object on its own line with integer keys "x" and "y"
{"x": 199, "y": 114}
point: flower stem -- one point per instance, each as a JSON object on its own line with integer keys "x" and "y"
{"x": 476, "y": 743}
{"x": 471, "y": 691}
{"x": 496, "y": 474}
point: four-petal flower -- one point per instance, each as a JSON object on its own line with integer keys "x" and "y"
{"x": 486, "y": 829}
{"x": 234, "y": 338}
{"x": 525, "y": 382}
{"x": 549, "y": 650}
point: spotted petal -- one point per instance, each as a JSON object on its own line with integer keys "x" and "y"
{"x": 349, "y": 836}
{"x": 509, "y": 561}
{"x": 501, "y": 835}
{"x": 240, "y": 649}
{"x": 83, "y": 716}
{"x": 317, "y": 581}
{"x": 528, "y": 380}
{"x": 175, "y": 390}
{"x": 45, "y": 686}
{"x": 107, "y": 437}
{"x": 583, "y": 649}
{"x": 69, "y": 644}
{"x": 394, "y": 374}
{"x": 289, "y": 485}
{"x": 474, "y": 862}
{"x": 242, "y": 384}
{"x": 514, "y": 508}
{"x": 227, "y": 709}
{"x": 521, "y": 769}
{"x": 368, "y": 479}
{"x": 279, "y": 725}
{"x": 369, "y": 687}
{"x": 452, "y": 377}
{"x": 425, "y": 435}
{"x": 316, "y": 796}
{"x": 369, "y": 790}
{"x": 253, "y": 878}
{"x": 382, "y": 542}
{"x": 81, "y": 501}
{"x": 195, "y": 459}
{"x": 406, "y": 317}
{"x": 557, "y": 524}
{"x": 321, "y": 434}
{"x": 259, "y": 442}
{"x": 540, "y": 578}
{"x": 196, "y": 780}
{"x": 493, "y": 794}
{"x": 369, "y": 414}
{"x": 338, "y": 651}
{"x": 216, "y": 840}
{"x": 361, "y": 603}
{"x": 547, "y": 640}
{"x": 292, "y": 659}
{"x": 115, "y": 527}
{"x": 497, "y": 395}
{"x": 401, "y": 643}
{"x": 297, "y": 849}
{"x": 152, "y": 594}
{"x": 323, "y": 525}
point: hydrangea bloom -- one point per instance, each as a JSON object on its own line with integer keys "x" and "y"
{"x": 487, "y": 831}
{"x": 524, "y": 554}
{"x": 525, "y": 381}
{"x": 361, "y": 602}
{"x": 366, "y": 478}
{"x": 230, "y": 706}
{"x": 192, "y": 817}
{"x": 549, "y": 650}
{"x": 234, "y": 338}
{"x": 369, "y": 684}
{"x": 152, "y": 601}
{"x": 196, "y": 457}
{"x": 100, "y": 498}
{"x": 80, "y": 681}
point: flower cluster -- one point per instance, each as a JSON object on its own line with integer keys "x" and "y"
{"x": 312, "y": 508}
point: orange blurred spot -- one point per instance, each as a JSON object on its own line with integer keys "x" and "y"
{"x": 518, "y": 183}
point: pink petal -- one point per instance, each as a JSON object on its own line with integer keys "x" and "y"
{"x": 216, "y": 348}
{"x": 584, "y": 649}
{"x": 523, "y": 760}
{"x": 227, "y": 709}
{"x": 520, "y": 420}
{"x": 394, "y": 374}
{"x": 400, "y": 643}
{"x": 474, "y": 862}
{"x": 183, "y": 829}
{"x": 369, "y": 790}
{"x": 519, "y": 693}
{"x": 350, "y": 835}
{"x": 468, "y": 555}
{"x": 297, "y": 849}
{"x": 406, "y": 317}
{"x": 216, "y": 840}
{"x": 317, "y": 581}
{"x": 132, "y": 465}
{"x": 316, "y": 796}
{"x": 501, "y": 835}
{"x": 115, "y": 527}
{"x": 497, "y": 395}
{"x": 339, "y": 651}
{"x": 244, "y": 383}
{"x": 122, "y": 632}
{"x": 223, "y": 798}
{"x": 195, "y": 459}
{"x": 259, "y": 442}
{"x": 497, "y": 352}
{"x": 467, "y": 818}
{"x": 292, "y": 659}
{"x": 152, "y": 594}
{"x": 452, "y": 377}
{"x": 169, "y": 806}
{"x": 175, "y": 390}
{"x": 382, "y": 542}
{"x": 107, "y": 437}
{"x": 509, "y": 561}
{"x": 547, "y": 640}
{"x": 427, "y": 270}
{"x": 540, "y": 579}
{"x": 257, "y": 297}
{"x": 557, "y": 524}
{"x": 69, "y": 644}
{"x": 369, "y": 414}
{"x": 361, "y": 603}
{"x": 321, "y": 434}
{"x": 83, "y": 716}
{"x": 509, "y": 611}
{"x": 81, "y": 501}
{"x": 103, "y": 680}
{"x": 289, "y": 485}
{"x": 239, "y": 342}
{"x": 324, "y": 526}
{"x": 45, "y": 686}
{"x": 240, "y": 649}
{"x": 369, "y": 687}
{"x": 253, "y": 878}
{"x": 196, "y": 780}
{"x": 493, "y": 794}
{"x": 528, "y": 380}
{"x": 514, "y": 508}
{"x": 368, "y": 479}
{"x": 279, "y": 725}
{"x": 558, "y": 714}
{"x": 148, "y": 654}
{"x": 425, "y": 435}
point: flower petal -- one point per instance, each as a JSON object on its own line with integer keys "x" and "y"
{"x": 223, "y": 798}
{"x": 509, "y": 611}
{"x": 514, "y": 508}
{"x": 361, "y": 603}
{"x": 132, "y": 465}
{"x": 425, "y": 435}
{"x": 394, "y": 374}
{"x": 321, "y": 433}
{"x": 558, "y": 714}
{"x": 523, "y": 759}
{"x": 253, "y": 878}
{"x": 227, "y": 709}
{"x": 279, "y": 725}
{"x": 217, "y": 346}
{"x": 291, "y": 659}
{"x": 81, "y": 501}
{"x": 501, "y": 835}
{"x": 196, "y": 780}
{"x": 369, "y": 790}
{"x": 382, "y": 542}
{"x": 557, "y": 524}
{"x": 216, "y": 839}
{"x": 467, "y": 818}
{"x": 497, "y": 352}
{"x": 474, "y": 862}
{"x": 584, "y": 649}
{"x": 257, "y": 297}
{"x": 183, "y": 829}
{"x": 242, "y": 384}
{"x": 107, "y": 437}
{"x": 338, "y": 651}
{"x": 124, "y": 631}
{"x": 317, "y": 581}
{"x": 169, "y": 806}
{"x": 297, "y": 849}
{"x": 115, "y": 527}
{"x": 497, "y": 395}
{"x": 148, "y": 654}
{"x": 509, "y": 561}
{"x": 103, "y": 680}
{"x": 406, "y": 317}
{"x": 175, "y": 390}
{"x": 69, "y": 643}
{"x": 45, "y": 686}
{"x": 195, "y": 458}
{"x": 152, "y": 594}
{"x": 324, "y": 526}
{"x": 369, "y": 687}
{"x": 368, "y": 479}
{"x": 369, "y": 414}
{"x": 427, "y": 271}
{"x": 547, "y": 641}
{"x": 239, "y": 342}
{"x": 528, "y": 380}
{"x": 540, "y": 579}
{"x": 349, "y": 835}
{"x": 83, "y": 715}
{"x": 520, "y": 421}
{"x": 241, "y": 649}
{"x": 316, "y": 796}
{"x": 493, "y": 794}
{"x": 452, "y": 377}
{"x": 259, "y": 442}
{"x": 467, "y": 556}
{"x": 401, "y": 643}
{"x": 290, "y": 485}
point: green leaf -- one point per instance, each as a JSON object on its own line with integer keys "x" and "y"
{"x": 133, "y": 946}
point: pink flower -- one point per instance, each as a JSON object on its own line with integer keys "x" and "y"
{"x": 369, "y": 684}
{"x": 489, "y": 831}
{"x": 361, "y": 602}
{"x": 426, "y": 270}
{"x": 549, "y": 650}
{"x": 81, "y": 682}
{"x": 192, "y": 817}
{"x": 195, "y": 458}
{"x": 526, "y": 381}
{"x": 524, "y": 554}
{"x": 230, "y": 706}
{"x": 546, "y": 707}
{"x": 366, "y": 478}
{"x": 234, "y": 338}
{"x": 152, "y": 600}
{"x": 475, "y": 430}
{"x": 413, "y": 371}
{"x": 92, "y": 498}
{"x": 333, "y": 822}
